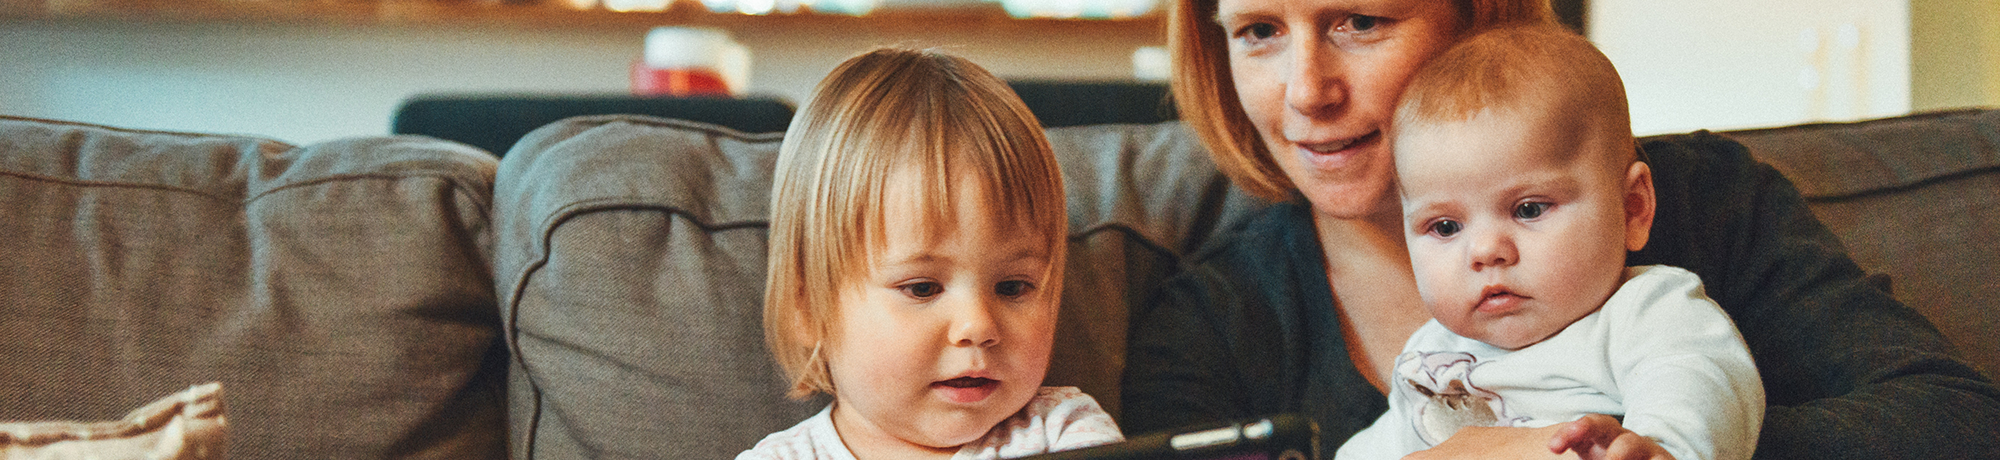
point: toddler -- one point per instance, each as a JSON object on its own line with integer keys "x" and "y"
{"x": 917, "y": 241}
{"x": 1522, "y": 189}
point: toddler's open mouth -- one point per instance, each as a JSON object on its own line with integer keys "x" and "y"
{"x": 966, "y": 389}
{"x": 968, "y": 382}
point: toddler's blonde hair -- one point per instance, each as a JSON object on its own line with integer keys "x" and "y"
{"x": 885, "y": 111}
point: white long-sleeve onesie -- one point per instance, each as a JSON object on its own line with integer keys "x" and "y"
{"x": 1659, "y": 353}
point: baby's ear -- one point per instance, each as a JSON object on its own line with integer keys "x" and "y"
{"x": 1639, "y": 205}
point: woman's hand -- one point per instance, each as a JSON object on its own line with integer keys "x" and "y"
{"x": 1494, "y": 443}
{"x": 1598, "y": 436}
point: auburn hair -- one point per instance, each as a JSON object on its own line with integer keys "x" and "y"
{"x": 1205, "y": 94}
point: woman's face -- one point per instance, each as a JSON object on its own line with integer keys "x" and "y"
{"x": 1319, "y": 79}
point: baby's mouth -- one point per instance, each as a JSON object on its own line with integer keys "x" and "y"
{"x": 1497, "y": 299}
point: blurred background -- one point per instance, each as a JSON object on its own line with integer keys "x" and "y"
{"x": 305, "y": 71}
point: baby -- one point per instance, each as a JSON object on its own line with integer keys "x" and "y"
{"x": 1522, "y": 190}
{"x": 917, "y": 239}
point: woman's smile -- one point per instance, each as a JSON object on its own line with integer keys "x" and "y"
{"x": 1336, "y": 153}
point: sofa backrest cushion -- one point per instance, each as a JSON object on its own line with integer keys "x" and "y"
{"x": 630, "y": 256}
{"x": 1916, "y": 198}
{"x": 340, "y": 292}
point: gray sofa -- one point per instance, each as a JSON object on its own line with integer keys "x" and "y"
{"x": 597, "y": 293}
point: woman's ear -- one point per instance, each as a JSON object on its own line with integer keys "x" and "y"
{"x": 1639, "y": 205}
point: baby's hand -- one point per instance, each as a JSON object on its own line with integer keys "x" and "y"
{"x": 1600, "y": 437}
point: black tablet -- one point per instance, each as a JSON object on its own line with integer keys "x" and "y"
{"x": 1277, "y": 437}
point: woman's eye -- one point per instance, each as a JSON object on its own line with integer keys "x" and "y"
{"x": 1014, "y": 288}
{"x": 1446, "y": 228}
{"x": 1530, "y": 210}
{"x": 923, "y": 290}
{"x": 1362, "y": 22}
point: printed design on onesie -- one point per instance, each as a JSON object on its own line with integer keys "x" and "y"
{"x": 1445, "y": 398}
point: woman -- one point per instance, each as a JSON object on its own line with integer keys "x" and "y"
{"x": 1306, "y": 307}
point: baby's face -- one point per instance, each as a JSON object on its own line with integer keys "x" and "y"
{"x": 1515, "y": 221}
{"x": 945, "y": 335}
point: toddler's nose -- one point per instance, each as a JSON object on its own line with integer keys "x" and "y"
{"x": 973, "y": 325}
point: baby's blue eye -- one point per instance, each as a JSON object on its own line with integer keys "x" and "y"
{"x": 1530, "y": 210}
{"x": 1014, "y": 288}
{"x": 1446, "y": 228}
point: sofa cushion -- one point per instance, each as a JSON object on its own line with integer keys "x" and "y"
{"x": 631, "y": 257}
{"x": 340, "y": 291}
{"x": 1916, "y": 197}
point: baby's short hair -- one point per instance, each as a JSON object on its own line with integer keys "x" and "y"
{"x": 1512, "y": 67}
{"x": 887, "y": 111}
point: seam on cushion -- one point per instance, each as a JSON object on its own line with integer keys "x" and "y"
{"x": 286, "y": 145}
{"x": 133, "y": 185}
{"x": 1133, "y": 234}
{"x": 457, "y": 186}
{"x": 542, "y": 252}
{"x": 709, "y": 128}
{"x": 1918, "y": 117}
{"x": 1880, "y": 191}
{"x": 572, "y": 210}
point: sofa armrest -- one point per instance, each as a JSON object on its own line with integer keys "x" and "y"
{"x": 1916, "y": 197}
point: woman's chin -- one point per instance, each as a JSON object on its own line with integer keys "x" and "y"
{"x": 1352, "y": 201}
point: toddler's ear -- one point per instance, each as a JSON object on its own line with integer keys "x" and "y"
{"x": 1638, "y": 205}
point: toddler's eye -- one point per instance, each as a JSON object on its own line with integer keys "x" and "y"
{"x": 1530, "y": 210}
{"x": 1446, "y": 228}
{"x": 1258, "y": 31}
{"x": 922, "y": 290}
{"x": 1014, "y": 288}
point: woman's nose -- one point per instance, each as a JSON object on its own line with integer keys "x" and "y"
{"x": 1313, "y": 84}
{"x": 1491, "y": 249}
{"x": 973, "y": 324}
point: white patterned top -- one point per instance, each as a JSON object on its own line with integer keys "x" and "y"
{"x": 1057, "y": 419}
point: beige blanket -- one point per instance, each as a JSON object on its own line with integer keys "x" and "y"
{"x": 185, "y": 425}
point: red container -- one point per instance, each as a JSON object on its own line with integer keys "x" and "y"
{"x": 680, "y": 82}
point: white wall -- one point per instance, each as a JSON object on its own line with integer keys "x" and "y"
{"x": 1688, "y": 64}
{"x": 309, "y": 83}
{"x": 1718, "y": 64}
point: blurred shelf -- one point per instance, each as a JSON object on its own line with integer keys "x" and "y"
{"x": 549, "y": 14}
